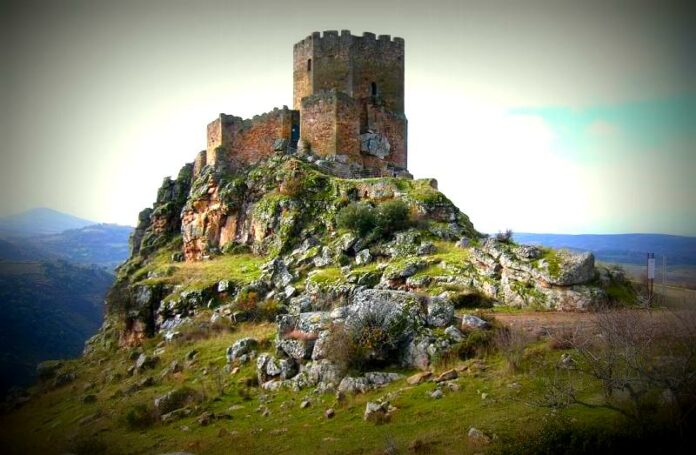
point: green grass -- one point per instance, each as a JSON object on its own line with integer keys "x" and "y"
{"x": 327, "y": 276}
{"x": 240, "y": 268}
{"x": 52, "y": 419}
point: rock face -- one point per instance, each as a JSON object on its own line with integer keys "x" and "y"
{"x": 261, "y": 208}
{"x": 157, "y": 225}
{"x": 375, "y": 144}
{"x": 527, "y": 276}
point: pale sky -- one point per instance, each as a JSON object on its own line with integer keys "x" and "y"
{"x": 539, "y": 116}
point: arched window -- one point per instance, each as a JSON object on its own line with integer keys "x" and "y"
{"x": 309, "y": 65}
{"x": 373, "y": 87}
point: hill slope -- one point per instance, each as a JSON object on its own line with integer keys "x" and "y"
{"x": 49, "y": 309}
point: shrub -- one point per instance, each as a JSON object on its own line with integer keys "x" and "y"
{"x": 357, "y": 217}
{"x": 471, "y": 300}
{"x": 292, "y": 186}
{"x": 358, "y": 347}
{"x": 478, "y": 342}
{"x": 392, "y": 216}
{"x": 376, "y": 223}
{"x": 511, "y": 342}
{"x": 139, "y": 417}
{"x": 505, "y": 236}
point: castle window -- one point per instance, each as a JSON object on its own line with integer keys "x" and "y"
{"x": 309, "y": 65}
{"x": 373, "y": 87}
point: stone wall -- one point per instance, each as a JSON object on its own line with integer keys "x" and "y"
{"x": 394, "y": 127}
{"x": 350, "y": 64}
{"x": 248, "y": 141}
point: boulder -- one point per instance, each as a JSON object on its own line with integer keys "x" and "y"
{"x": 374, "y": 144}
{"x": 241, "y": 347}
{"x": 419, "y": 378}
{"x": 454, "y": 333}
{"x": 363, "y": 257}
{"x": 376, "y": 411}
{"x": 174, "y": 399}
{"x": 473, "y": 322}
{"x": 440, "y": 312}
{"x": 145, "y": 362}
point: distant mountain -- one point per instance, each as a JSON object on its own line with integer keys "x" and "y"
{"x": 105, "y": 245}
{"x": 39, "y": 221}
{"x": 48, "y": 309}
{"x": 621, "y": 248}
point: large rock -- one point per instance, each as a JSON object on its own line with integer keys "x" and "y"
{"x": 396, "y": 315}
{"x": 374, "y": 144}
{"x": 367, "y": 382}
{"x": 175, "y": 399}
{"x": 440, "y": 312}
{"x": 565, "y": 268}
{"x": 240, "y": 348}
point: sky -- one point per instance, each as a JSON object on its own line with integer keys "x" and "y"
{"x": 535, "y": 116}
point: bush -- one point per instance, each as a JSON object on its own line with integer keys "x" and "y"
{"x": 478, "y": 342}
{"x": 357, "y": 217}
{"x": 393, "y": 216}
{"x": 378, "y": 223}
{"x": 505, "y": 237}
{"x": 471, "y": 300}
{"x": 139, "y": 417}
{"x": 511, "y": 342}
{"x": 358, "y": 347}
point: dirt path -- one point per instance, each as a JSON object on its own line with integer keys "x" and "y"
{"x": 548, "y": 322}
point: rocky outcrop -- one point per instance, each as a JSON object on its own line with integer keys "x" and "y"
{"x": 156, "y": 226}
{"x": 527, "y": 276}
{"x": 262, "y": 208}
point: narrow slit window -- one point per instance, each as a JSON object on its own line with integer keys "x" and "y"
{"x": 373, "y": 88}
{"x": 309, "y": 65}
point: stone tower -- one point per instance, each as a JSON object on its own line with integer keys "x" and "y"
{"x": 350, "y": 94}
{"x": 348, "y": 106}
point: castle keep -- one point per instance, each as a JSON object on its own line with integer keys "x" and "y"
{"x": 348, "y": 111}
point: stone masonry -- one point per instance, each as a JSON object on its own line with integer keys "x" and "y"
{"x": 348, "y": 100}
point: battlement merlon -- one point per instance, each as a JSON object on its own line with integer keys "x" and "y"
{"x": 367, "y": 38}
{"x": 244, "y": 141}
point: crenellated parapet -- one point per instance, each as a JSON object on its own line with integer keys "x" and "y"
{"x": 362, "y": 66}
{"x": 241, "y": 141}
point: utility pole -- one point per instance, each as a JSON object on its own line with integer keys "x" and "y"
{"x": 651, "y": 276}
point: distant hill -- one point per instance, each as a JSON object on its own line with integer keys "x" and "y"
{"x": 39, "y": 221}
{"x": 105, "y": 245}
{"x": 621, "y": 248}
{"x": 48, "y": 309}
{"x": 54, "y": 274}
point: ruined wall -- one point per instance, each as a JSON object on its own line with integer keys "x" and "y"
{"x": 330, "y": 123}
{"x": 395, "y": 127}
{"x": 248, "y": 141}
{"x": 301, "y": 71}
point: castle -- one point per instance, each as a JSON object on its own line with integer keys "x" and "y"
{"x": 348, "y": 111}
